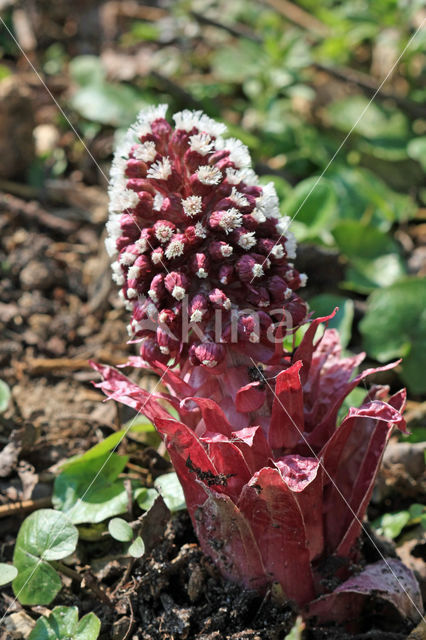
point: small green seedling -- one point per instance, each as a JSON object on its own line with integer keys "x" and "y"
{"x": 63, "y": 624}
{"x": 391, "y": 525}
{"x": 122, "y": 531}
{"x": 44, "y": 537}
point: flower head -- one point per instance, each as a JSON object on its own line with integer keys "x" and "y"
{"x": 187, "y": 209}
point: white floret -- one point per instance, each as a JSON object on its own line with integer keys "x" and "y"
{"x": 257, "y": 271}
{"x": 192, "y": 205}
{"x": 134, "y": 272}
{"x": 145, "y": 151}
{"x": 238, "y": 199}
{"x": 201, "y": 143}
{"x": 127, "y": 258}
{"x": 188, "y": 120}
{"x": 283, "y": 225}
{"x": 230, "y": 220}
{"x": 268, "y": 202}
{"x": 160, "y": 170}
{"x": 247, "y": 240}
{"x": 122, "y": 200}
{"x": 200, "y": 231}
{"x": 158, "y": 201}
{"x": 174, "y": 249}
{"x": 209, "y": 175}
{"x": 178, "y": 292}
{"x": 238, "y": 152}
{"x": 290, "y": 245}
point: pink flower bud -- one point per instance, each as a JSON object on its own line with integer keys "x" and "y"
{"x": 208, "y": 354}
{"x": 249, "y": 268}
{"x": 199, "y": 265}
{"x": 156, "y": 289}
{"x": 198, "y": 308}
{"x": 220, "y": 250}
{"x": 219, "y": 299}
{"x": 167, "y": 344}
{"x": 226, "y": 274}
{"x": 176, "y": 284}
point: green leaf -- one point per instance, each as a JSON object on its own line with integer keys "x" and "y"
{"x": 391, "y": 524}
{"x": 87, "y": 70}
{"x": 169, "y": 487}
{"x": 4, "y": 396}
{"x": 145, "y": 497}
{"x": 416, "y": 149}
{"x": 362, "y": 196}
{"x": 120, "y": 530}
{"x": 63, "y": 624}
{"x": 137, "y": 548}
{"x": 296, "y": 632}
{"x": 104, "y": 102}
{"x": 140, "y": 425}
{"x": 324, "y": 304}
{"x": 395, "y": 326}
{"x": 105, "y": 446}
{"x": 417, "y": 511}
{"x": 88, "y": 489}
{"x": 373, "y": 255}
{"x": 385, "y": 130}
{"x": 313, "y": 203}
{"x": 353, "y": 399}
{"x": 45, "y": 535}
{"x": 88, "y": 628}
{"x": 7, "y": 573}
{"x": 5, "y": 72}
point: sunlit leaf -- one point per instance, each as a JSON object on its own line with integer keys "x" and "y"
{"x": 44, "y": 536}
{"x": 169, "y": 487}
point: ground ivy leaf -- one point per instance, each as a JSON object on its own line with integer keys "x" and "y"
{"x": 45, "y": 535}
{"x": 37, "y": 582}
{"x": 314, "y": 203}
{"x": 63, "y": 624}
{"x": 88, "y": 628}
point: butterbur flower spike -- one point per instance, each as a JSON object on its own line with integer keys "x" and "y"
{"x": 188, "y": 217}
{"x": 276, "y": 484}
